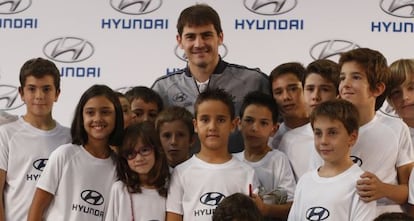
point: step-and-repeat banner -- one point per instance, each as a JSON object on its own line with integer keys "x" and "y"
{"x": 124, "y": 43}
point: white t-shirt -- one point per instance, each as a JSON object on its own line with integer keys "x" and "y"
{"x": 80, "y": 183}
{"x": 273, "y": 172}
{"x": 148, "y": 205}
{"x": 197, "y": 186}
{"x": 298, "y": 144}
{"x": 24, "y": 152}
{"x": 383, "y": 145}
{"x": 334, "y": 198}
{"x": 274, "y": 141}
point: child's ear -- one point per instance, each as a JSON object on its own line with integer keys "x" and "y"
{"x": 353, "y": 137}
{"x": 21, "y": 91}
{"x": 234, "y": 123}
{"x": 195, "y": 125}
{"x": 379, "y": 89}
{"x": 239, "y": 123}
{"x": 57, "y": 94}
{"x": 274, "y": 129}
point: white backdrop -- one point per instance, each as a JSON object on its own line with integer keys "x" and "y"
{"x": 125, "y": 43}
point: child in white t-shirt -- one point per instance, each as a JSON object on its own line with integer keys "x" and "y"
{"x": 26, "y": 143}
{"x": 384, "y": 148}
{"x": 329, "y": 192}
{"x": 258, "y": 121}
{"x": 320, "y": 84}
{"x": 77, "y": 180}
{"x": 200, "y": 183}
{"x": 401, "y": 98}
{"x": 142, "y": 168}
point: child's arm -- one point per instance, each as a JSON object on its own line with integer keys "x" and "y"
{"x": 2, "y": 183}
{"x": 274, "y": 210}
{"x": 371, "y": 188}
{"x": 40, "y": 203}
{"x": 173, "y": 217}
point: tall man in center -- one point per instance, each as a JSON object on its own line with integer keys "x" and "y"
{"x": 200, "y": 36}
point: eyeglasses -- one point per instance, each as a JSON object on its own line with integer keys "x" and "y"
{"x": 143, "y": 151}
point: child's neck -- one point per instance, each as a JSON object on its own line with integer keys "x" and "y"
{"x": 214, "y": 156}
{"x": 143, "y": 178}
{"x": 42, "y": 123}
{"x": 409, "y": 122}
{"x": 99, "y": 150}
{"x": 329, "y": 169}
{"x": 255, "y": 154}
{"x": 294, "y": 122}
{"x": 366, "y": 114}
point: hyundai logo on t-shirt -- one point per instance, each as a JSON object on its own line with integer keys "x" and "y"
{"x": 211, "y": 198}
{"x": 92, "y": 197}
{"x": 357, "y": 160}
{"x": 317, "y": 214}
{"x": 40, "y": 164}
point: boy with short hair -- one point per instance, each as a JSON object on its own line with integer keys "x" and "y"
{"x": 329, "y": 192}
{"x": 258, "y": 121}
{"x": 287, "y": 90}
{"x": 145, "y": 103}
{"x": 128, "y": 116}
{"x": 384, "y": 147}
{"x": 200, "y": 183}
{"x": 26, "y": 143}
{"x": 237, "y": 207}
{"x": 176, "y": 130}
{"x": 320, "y": 84}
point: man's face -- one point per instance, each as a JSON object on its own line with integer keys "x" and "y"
{"x": 200, "y": 44}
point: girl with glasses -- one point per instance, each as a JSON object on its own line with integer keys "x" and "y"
{"x": 140, "y": 193}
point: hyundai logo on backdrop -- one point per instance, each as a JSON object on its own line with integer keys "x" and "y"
{"x": 329, "y": 48}
{"x": 317, "y": 214}
{"x": 9, "y": 7}
{"x": 68, "y": 49}
{"x": 211, "y": 198}
{"x": 9, "y": 97}
{"x": 398, "y": 8}
{"x": 92, "y": 197}
{"x": 179, "y": 53}
{"x": 270, "y": 7}
{"x": 136, "y": 7}
{"x": 14, "y": 6}
{"x": 72, "y": 50}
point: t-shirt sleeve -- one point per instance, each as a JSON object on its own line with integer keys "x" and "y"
{"x": 52, "y": 173}
{"x": 361, "y": 211}
{"x": 406, "y": 150}
{"x": 286, "y": 177}
{"x": 175, "y": 195}
{"x": 113, "y": 204}
{"x": 4, "y": 149}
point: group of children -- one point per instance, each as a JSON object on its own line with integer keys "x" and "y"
{"x": 126, "y": 157}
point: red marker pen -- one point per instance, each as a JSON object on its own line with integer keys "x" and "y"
{"x": 250, "y": 190}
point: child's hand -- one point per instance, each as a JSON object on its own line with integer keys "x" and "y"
{"x": 259, "y": 203}
{"x": 369, "y": 187}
